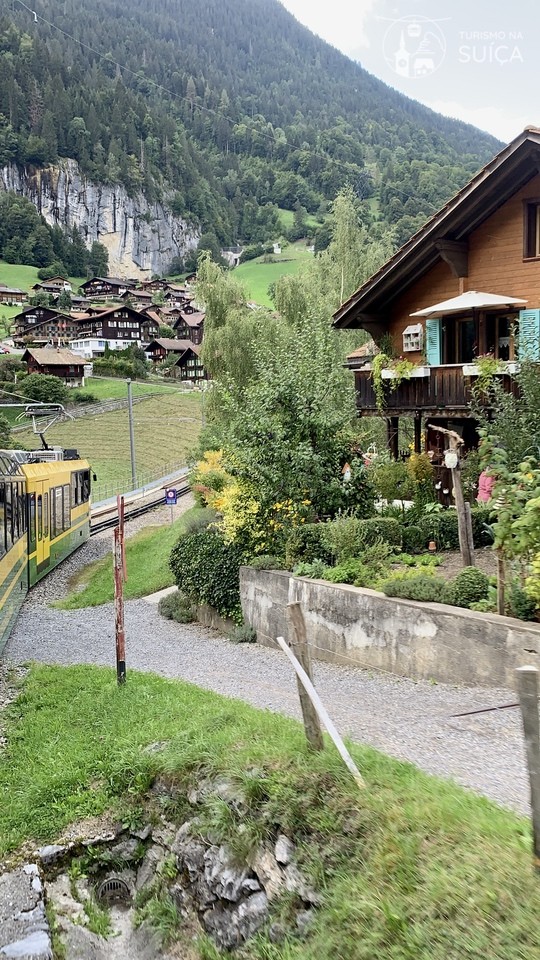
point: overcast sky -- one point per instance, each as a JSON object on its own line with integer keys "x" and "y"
{"x": 471, "y": 59}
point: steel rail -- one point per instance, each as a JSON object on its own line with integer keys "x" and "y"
{"x": 111, "y": 521}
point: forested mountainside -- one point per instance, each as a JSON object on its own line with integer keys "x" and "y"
{"x": 231, "y": 104}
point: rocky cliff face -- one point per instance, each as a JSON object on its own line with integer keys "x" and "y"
{"x": 142, "y": 238}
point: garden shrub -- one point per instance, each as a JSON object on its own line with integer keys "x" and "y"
{"x": 344, "y": 537}
{"x": 267, "y": 561}
{"x": 315, "y": 571}
{"x": 469, "y": 586}
{"x": 305, "y": 544}
{"x": 85, "y": 397}
{"x": 199, "y": 521}
{"x": 347, "y": 572}
{"x": 206, "y": 570}
{"x": 520, "y": 604}
{"x": 386, "y": 529}
{"x": 175, "y": 606}
{"x": 424, "y": 587}
{"x": 414, "y": 539}
{"x": 243, "y": 634}
{"x": 482, "y": 518}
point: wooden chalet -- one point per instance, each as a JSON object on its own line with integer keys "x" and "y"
{"x": 138, "y": 298}
{"x": 189, "y": 366}
{"x": 102, "y": 288}
{"x": 56, "y": 362}
{"x": 118, "y": 327}
{"x": 53, "y": 285}
{"x": 161, "y": 348}
{"x": 190, "y": 326}
{"x": 43, "y": 325}
{"x": 465, "y": 285}
{"x": 12, "y": 295}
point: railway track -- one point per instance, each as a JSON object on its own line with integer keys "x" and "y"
{"x": 132, "y": 510}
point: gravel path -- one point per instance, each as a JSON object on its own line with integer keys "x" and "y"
{"x": 409, "y": 720}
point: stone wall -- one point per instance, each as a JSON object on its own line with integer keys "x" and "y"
{"x": 142, "y": 238}
{"x": 362, "y": 627}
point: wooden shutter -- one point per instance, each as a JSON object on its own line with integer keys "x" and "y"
{"x": 433, "y": 341}
{"x": 529, "y": 335}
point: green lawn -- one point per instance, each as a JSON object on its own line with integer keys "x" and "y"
{"x": 166, "y": 429}
{"x": 411, "y": 868}
{"x": 256, "y": 276}
{"x": 6, "y": 315}
{"x": 287, "y": 219}
{"x": 113, "y": 388}
{"x": 24, "y": 277}
{"x": 147, "y": 554}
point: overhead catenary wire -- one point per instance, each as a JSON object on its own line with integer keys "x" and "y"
{"x": 320, "y": 154}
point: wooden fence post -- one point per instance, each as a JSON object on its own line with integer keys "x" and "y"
{"x": 527, "y": 683}
{"x": 298, "y": 642}
{"x": 322, "y": 713}
{"x": 120, "y": 574}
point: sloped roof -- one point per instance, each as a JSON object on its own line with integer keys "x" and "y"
{"x": 192, "y": 319}
{"x": 168, "y": 343}
{"x": 488, "y": 190}
{"x": 52, "y": 357}
{"x": 194, "y": 347}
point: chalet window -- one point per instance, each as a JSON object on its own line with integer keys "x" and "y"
{"x": 532, "y": 229}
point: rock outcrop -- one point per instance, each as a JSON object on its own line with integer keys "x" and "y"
{"x": 142, "y": 238}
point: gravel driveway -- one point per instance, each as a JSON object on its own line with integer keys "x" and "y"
{"x": 409, "y": 720}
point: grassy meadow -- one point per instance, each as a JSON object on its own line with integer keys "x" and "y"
{"x": 257, "y": 275}
{"x": 147, "y": 553}
{"x": 166, "y": 429}
{"x": 24, "y": 277}
{"x": 411, "y": 868}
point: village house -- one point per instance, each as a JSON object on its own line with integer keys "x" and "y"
{"x": 466, "y": 285}
{"x": 190, "y": 326}
{"x": 159, "y": 349}
{"x": 38, "y": 325}
{"x": 103, "y": 288}
{"x": 56, "y": 362}
{"x": 53, "y": 285}
{"x": 188, "y": 367}
{"x": 138, "y": 298}
{"x": 116, "y": 328}
{"x": 12, "y": 295}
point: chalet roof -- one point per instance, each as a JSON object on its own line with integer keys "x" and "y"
{"x": 113, "y": 281}
{"x": 153, "y": 315}
{"x": 194, "y": 347}
{"x": 4, "y": 289}
{"x": 53, "y": 357}
{"x": 489, "y": 189}
{"x": 168, "y": 343}
{"x": 142, "y": 294}
{"x": 192, "y": 319}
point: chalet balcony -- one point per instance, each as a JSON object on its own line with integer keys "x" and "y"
{"x": 434, "y": 391}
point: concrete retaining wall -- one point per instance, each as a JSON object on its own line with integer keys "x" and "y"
{"x": 424, "y": 641}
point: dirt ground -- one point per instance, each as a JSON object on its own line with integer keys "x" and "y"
{"x": 484, "y": 558}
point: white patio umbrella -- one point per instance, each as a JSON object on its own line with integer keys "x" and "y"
{"x": 472, "y": 300}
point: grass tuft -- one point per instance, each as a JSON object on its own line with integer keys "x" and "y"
{"x": 412, "y": 868}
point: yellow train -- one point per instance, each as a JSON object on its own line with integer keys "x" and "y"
{"x": 44, "y": 516}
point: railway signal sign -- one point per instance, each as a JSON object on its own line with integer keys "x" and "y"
{"x": 171, "y": 496}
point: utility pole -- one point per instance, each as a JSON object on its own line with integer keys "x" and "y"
{"x": 131, "y": 437}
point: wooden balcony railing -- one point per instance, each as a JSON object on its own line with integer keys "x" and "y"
{"x": 445, "y": 389}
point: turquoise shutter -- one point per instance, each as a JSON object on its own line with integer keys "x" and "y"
{"x": 528, "y": 344}
{"x": 433, "y": 341}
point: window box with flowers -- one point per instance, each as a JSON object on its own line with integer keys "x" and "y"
{"x": 393, "y": 369}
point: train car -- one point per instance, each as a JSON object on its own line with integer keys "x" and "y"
{"x": 44, "y": 515}
{"x": 13, "y": 543}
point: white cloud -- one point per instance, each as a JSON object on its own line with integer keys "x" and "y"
{"x": 341, "y": 23}
{"x": 502, "y": 123}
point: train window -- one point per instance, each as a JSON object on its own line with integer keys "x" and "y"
{"x": 58, "y": 510}
{"x": 67, "y": 506}
{"x": 2, "y": 519}
{"x": 32, "y": 518}
{"x": 40, "y": 517}
{"x": 8, "y": 517}
{"x": 85, "y": 486}
{"x": 45, "y": 515}
{"x": 21, "y": 509}
{"x": 75, "y": 488}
